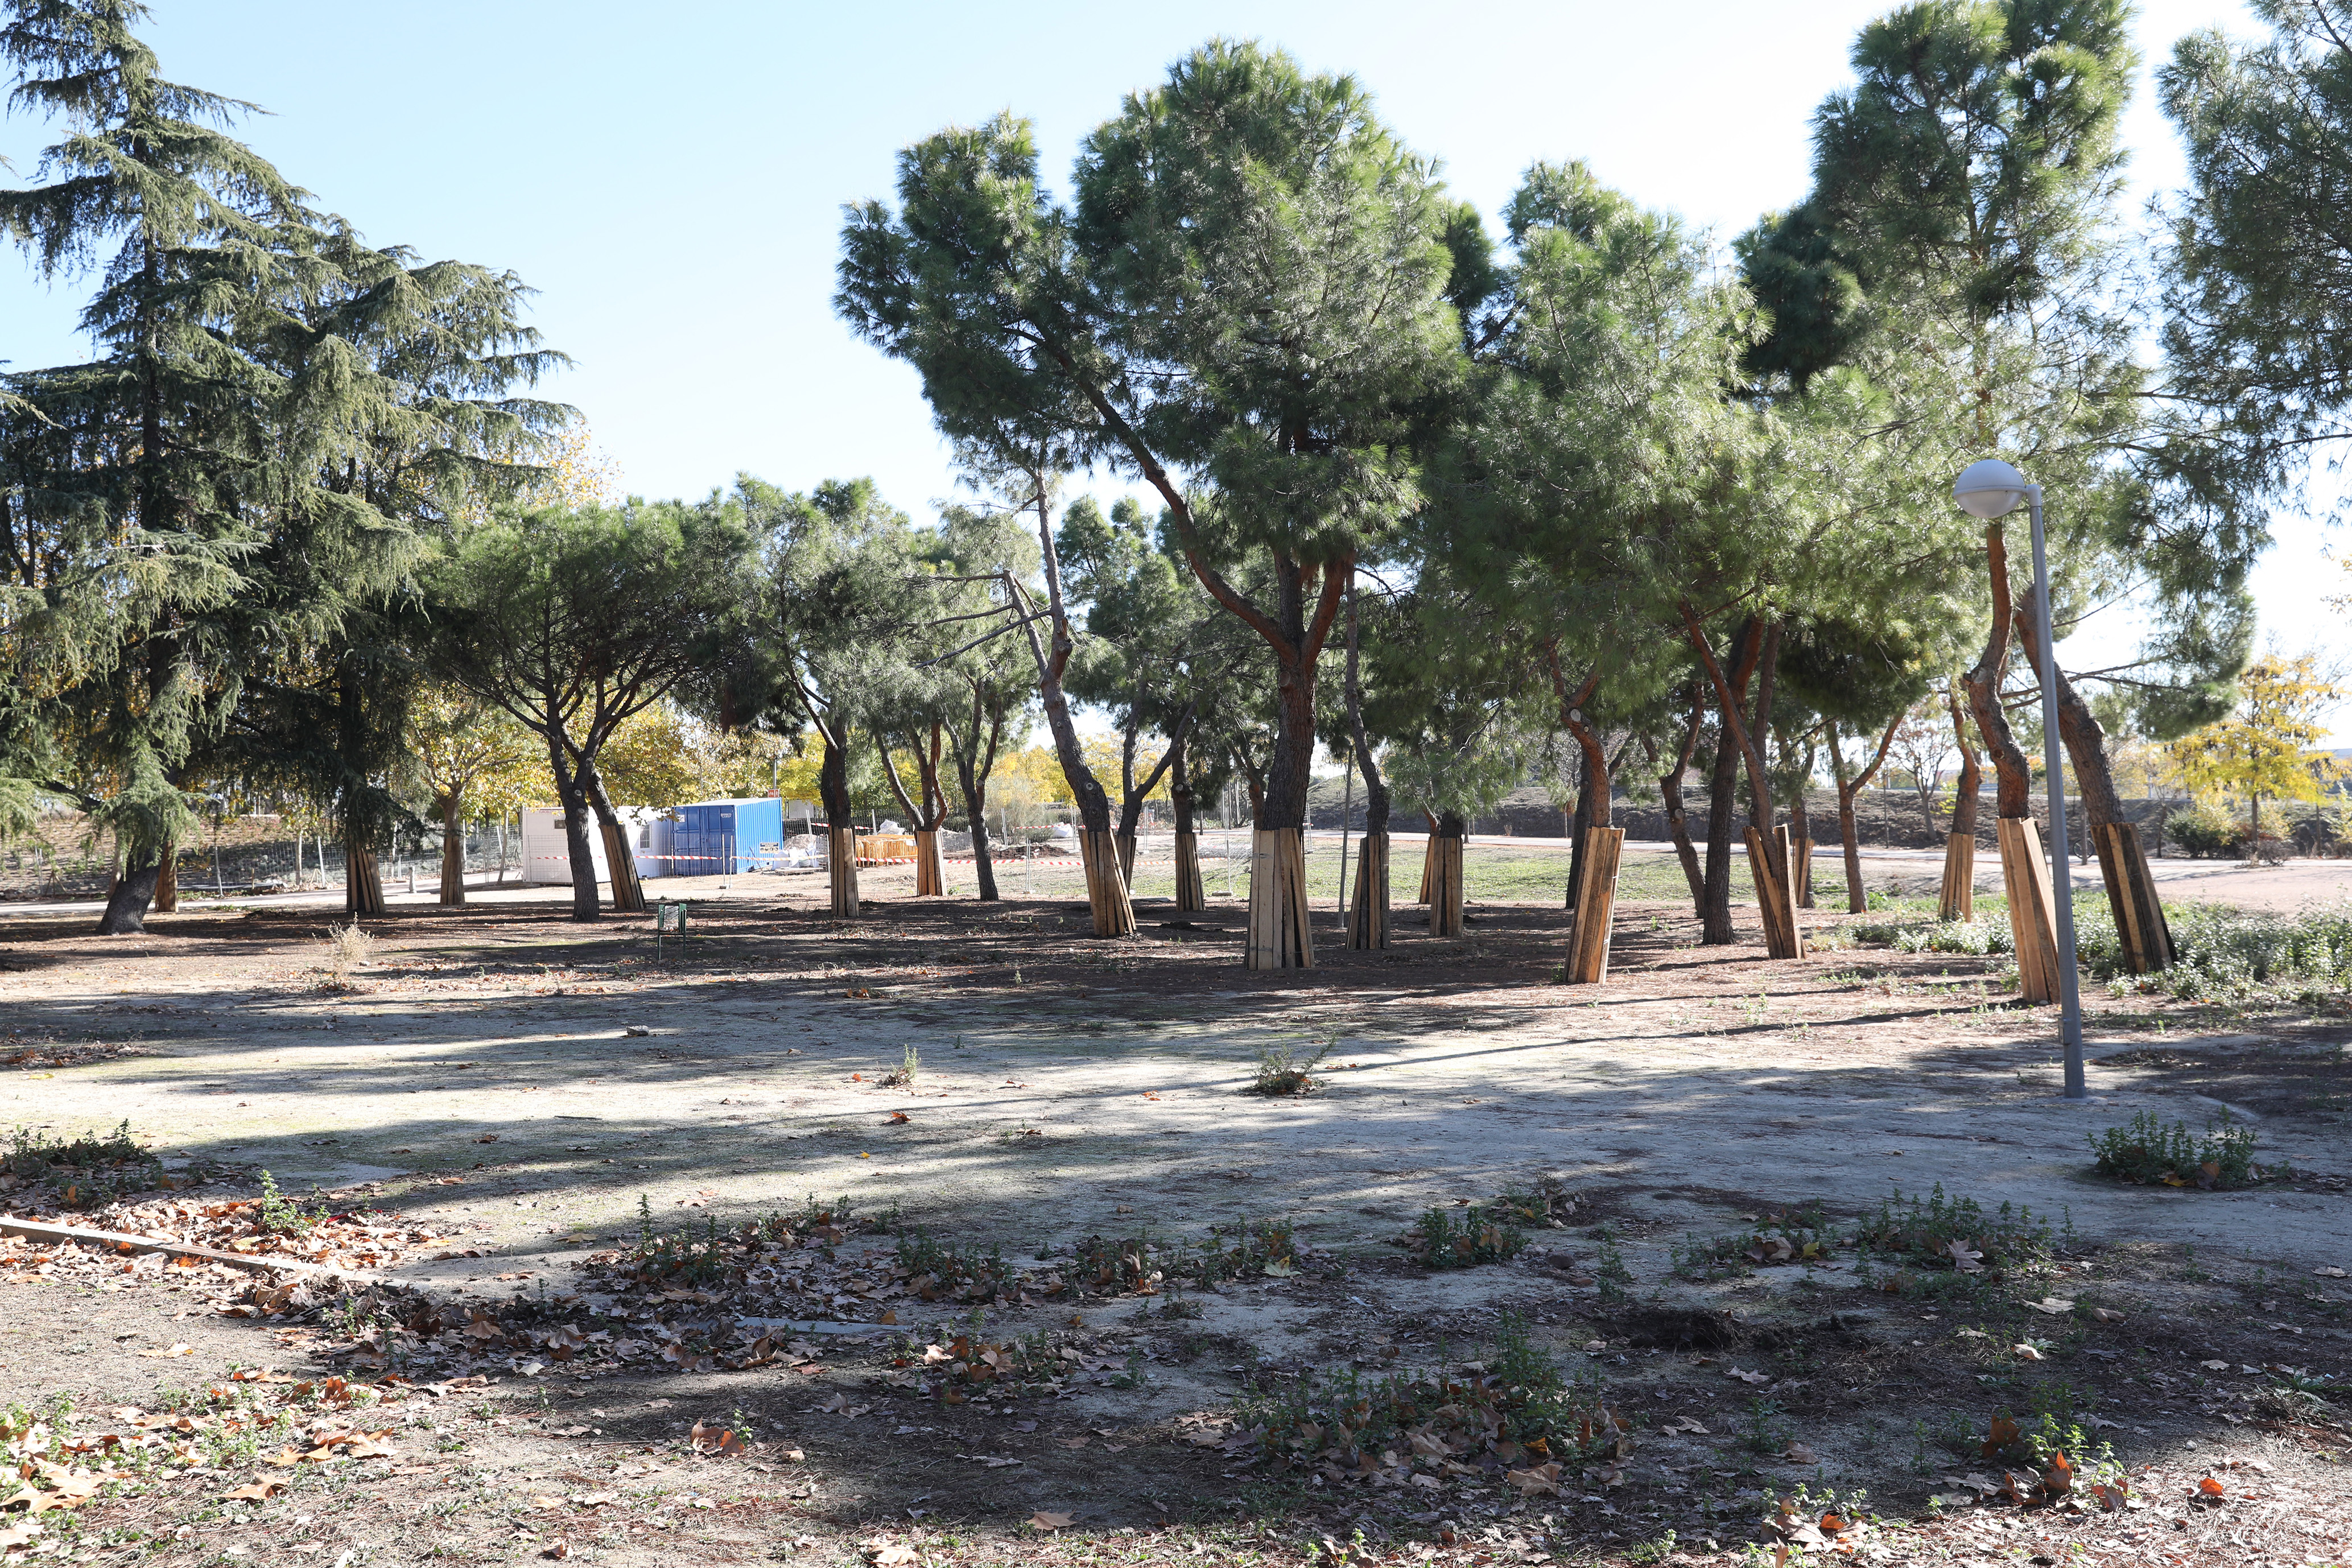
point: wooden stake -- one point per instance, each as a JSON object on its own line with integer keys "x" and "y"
{"x": 362, "y": 887}
{"x": 930, "y": 871}
{"x": 1428, "y": 865}
{"x": 1596, "y": 904}
{"x": 1126, "y": 842}
{"x": 1774, "y": 901}
{"x": 1367, "y": 919}
{"x": 1801, "y": 871}
{"x": 1957, "y": 900}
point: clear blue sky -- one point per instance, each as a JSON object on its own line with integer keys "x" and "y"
{"x": 670, "y": 178}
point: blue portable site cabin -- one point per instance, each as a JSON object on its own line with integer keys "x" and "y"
{"x": 727, "y": 838}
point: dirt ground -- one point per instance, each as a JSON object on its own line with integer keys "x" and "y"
{"x": 552, "y": 1101}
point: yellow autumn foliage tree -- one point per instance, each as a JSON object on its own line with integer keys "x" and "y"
{"x": 2264, "y": 749}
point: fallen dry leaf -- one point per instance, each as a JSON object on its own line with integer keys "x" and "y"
{"x": 895, "y": 1116}
{"x": 2214, "y": 1365}
{"x": 1797, "y": 1454}
{"x": 1042, "y": 1519}
{"x": 2052, "y": 1305}
{"x": 258, "y": 1491}
{"x": 2106, "y": 1314}
{"x": 2026, "y": 1352}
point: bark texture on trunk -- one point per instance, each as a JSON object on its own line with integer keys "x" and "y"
{"x": 167, "y": 878}
{"x": 1857, "y": 899}
{"x": 1669, "y": 790}
{"x": 2031, "y": 917}
{"x": 975, "y": 759}
{"x": 127, "y": 899}
{"x": 452, "y": 852}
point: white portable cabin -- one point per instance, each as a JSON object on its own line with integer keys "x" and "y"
{"x": 547, "y": 852}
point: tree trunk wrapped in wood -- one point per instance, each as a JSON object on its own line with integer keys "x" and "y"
{"x": 1428, "y": 860}
{"x": 841, "y": 867}
{"x": 621, "y": 867}
{"x": 1126, "y": 845}
{"x": 1596, "y": 904}
{"x": 453, "y": 854}
{"x": 1106, "y": 895}
{"x": 1801, "y": 871}
{"x": 1191, "y": 892}
{"x": 1368, "y": 915}
{"x": 2031, "y": 918}
{"x": 930, "y": 868}
{"x": 1279, "y": 937}
{"x": 930, "y": 871}
{"x": 167, "y": 881}
{"x": 2122, "y": 865}
{"x": 1783, "y": 938}
{"x": 1958, "y": 898}
{"x": 362, "y": 886}
{"x": 1445, "y": 877}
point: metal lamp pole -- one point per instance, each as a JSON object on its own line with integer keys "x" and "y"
{"x": 1989, "y": 489}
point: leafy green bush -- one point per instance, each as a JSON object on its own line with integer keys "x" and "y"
{"x": 1981, "y": 937}
{"x": 2203, "y": 831}
{"x": 2152, "y": 1150}
{"x": 2222, "y": 953}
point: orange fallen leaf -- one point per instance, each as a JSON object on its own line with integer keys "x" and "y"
{"x": 897, "y": 1116}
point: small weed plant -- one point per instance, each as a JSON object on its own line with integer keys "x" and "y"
{"x": 1464, "y": 1237}
{"x": 2150, "y": 1149}
{"x": 1801, "y": 1237}
{"x": 1289, "y": 1069}
{"x": 348, "y": 947}
{"x": 281, "y": 1215}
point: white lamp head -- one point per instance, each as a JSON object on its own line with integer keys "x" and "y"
{"x": 1988, "y": 488}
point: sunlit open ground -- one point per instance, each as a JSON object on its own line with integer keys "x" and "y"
{"x": 518, "y": 1087}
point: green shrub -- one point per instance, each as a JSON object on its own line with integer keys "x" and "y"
{"x": 2222, "y": 953}
{"x": 2152, "y": 1150}
{"x": 2203, "y": 831}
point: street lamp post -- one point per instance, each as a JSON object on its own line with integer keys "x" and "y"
{"x": 1990, "y": 488}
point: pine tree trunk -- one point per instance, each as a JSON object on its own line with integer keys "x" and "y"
{"x": 1368, "y": 916}
{"x": 452, "y": 852}
{"x": 1669, "y": 790}
{"x": 930, "y": 870}
{"x": 2030, "y": 916}
{"x": 167, "y": 881}
{"x": 841, "y": 830}
{"x": 1445, "y": 877}
{"x": 620, "y": 859}
{"x": 585, "y": 904}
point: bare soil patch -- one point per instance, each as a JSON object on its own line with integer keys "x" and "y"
{"x": 616, "y": 1156}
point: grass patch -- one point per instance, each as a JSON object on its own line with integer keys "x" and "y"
{"x": 87, "y": 1172}
{"x": 1511, "y": 1407}
{"x": 1955, "y": 1236}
